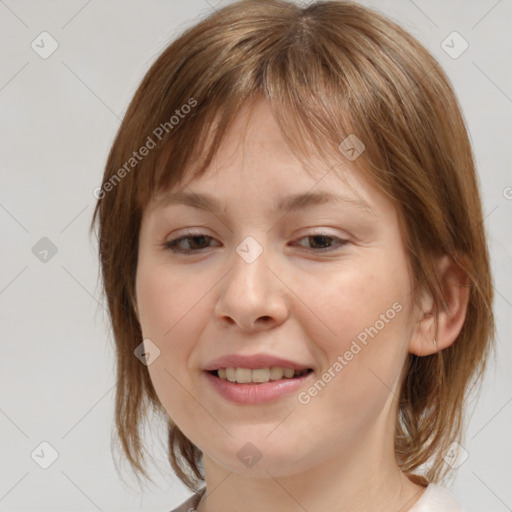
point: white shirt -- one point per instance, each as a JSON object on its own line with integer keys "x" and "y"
{"x": 435, "y": 498}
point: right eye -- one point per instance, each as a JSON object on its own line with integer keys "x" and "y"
{"x": 196, "y": 240}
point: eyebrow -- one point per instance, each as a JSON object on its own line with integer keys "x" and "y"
{"x": 291, "y": 202}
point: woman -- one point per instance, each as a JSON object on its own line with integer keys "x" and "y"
{"x": 293, "y": 253}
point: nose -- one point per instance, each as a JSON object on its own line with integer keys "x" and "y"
{"x": 253, "y": 296}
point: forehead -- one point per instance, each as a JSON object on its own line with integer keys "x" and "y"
{"x": 252, "y": 144}
{"x": 254, "y": 159}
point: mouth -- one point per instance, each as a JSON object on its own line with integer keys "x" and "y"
{"x": 258, "y": 386}
{"x": 259, "y": 375}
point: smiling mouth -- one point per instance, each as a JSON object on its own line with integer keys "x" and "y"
{"x": 258, "y": 376}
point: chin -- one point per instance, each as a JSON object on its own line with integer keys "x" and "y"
{"x": 259, "y": 458}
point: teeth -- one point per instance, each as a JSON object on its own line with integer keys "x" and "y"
{"x": 258, "y": 375}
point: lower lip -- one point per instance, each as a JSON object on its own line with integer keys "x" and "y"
{"x": 257, "y": 393}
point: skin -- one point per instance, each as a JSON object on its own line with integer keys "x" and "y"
{"x": 336, "y": 452}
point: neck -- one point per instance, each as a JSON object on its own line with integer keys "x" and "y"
{"x": 358, "y": 478}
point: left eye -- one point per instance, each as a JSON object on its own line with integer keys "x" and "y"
{"x": 199, "y": 241}
{"x": 323, "y": 239}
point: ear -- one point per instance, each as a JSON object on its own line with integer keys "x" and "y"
{"x": 442, "y": 324}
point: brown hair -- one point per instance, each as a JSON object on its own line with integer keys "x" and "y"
{"x": 328, "y": 70}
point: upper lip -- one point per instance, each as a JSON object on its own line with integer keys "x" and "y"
{"x": 252, "y": 362}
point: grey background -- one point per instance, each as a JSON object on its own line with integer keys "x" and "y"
{"x": 58, "y": 119}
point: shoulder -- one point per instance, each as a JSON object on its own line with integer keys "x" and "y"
{"x": 436, "y": 498}
{"x": 191, "y": 503}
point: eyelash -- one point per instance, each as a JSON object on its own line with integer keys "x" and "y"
{"x": 171, "y": 245}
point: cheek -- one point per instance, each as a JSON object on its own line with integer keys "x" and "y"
{"x": 355, "y": 299}
{"x": 166, "y": 310}
{"x": 164, "y": 297}
{"x": 364, "y": 313}
{"x": 169, "y": 308}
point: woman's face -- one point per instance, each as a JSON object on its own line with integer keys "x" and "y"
{"x": 280, "y": 282}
